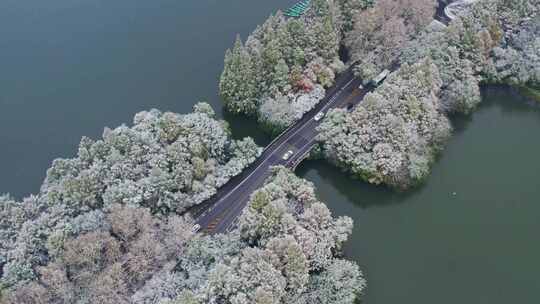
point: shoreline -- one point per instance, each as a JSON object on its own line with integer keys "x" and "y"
{"x": 532, "y": 92}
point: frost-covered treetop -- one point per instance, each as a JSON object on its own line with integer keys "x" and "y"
{"x": 286, "y": 250}
{"x": 165, "y": 161}
{"x": 394, "y": 134}
{"x": 159, "y": 167}
{"x": 281, "y": 70}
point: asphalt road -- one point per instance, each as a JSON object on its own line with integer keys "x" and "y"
{"x": 218, "y": 215}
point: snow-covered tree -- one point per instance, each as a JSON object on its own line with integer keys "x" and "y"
{"x": 101, "y": 258}
{"x": 379, "y": 32}
{"x": 338, "y": 284}
{"x": 124, "y": 253}
{"x": 292, "y": 257}
{"x": 492, "y": 42}
{"x": 281, "y": 70}
{"x": 159, "y": 167}
{"x": 237, "y": 84}
{"x": 393, "y": 136}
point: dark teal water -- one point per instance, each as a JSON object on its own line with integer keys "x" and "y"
{"x": 68, "y": 68}
{"x": 480, "y": 245}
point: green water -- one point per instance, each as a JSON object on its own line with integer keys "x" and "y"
{"x": 431, "y": 245}
{"x": 531, "y": 92}
{"x": 69, "y": 68}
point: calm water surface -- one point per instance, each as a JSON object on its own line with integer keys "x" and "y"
{"x": 428, "y": 246}
{"x": 69, "y": 68}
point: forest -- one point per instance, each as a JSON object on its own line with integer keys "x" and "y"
{"x": 284, "y": 66}
{"x": 394, "y": 136}
{"x": 110, "y": 224}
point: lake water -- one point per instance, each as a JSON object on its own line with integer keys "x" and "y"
{"x": 470, "y": 234}
{"x": 69, "y": 68}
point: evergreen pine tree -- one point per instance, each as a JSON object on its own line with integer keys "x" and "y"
{"x": 237, "y": 84}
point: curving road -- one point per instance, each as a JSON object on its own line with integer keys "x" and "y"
{"x": 219, "y": 214}
{"x": 453, "y": 9}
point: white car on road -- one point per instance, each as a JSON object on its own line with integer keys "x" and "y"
{"x": 195, "y": 228}
{"x": 319, "y": 116}
{"x": 287, "y": 155}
